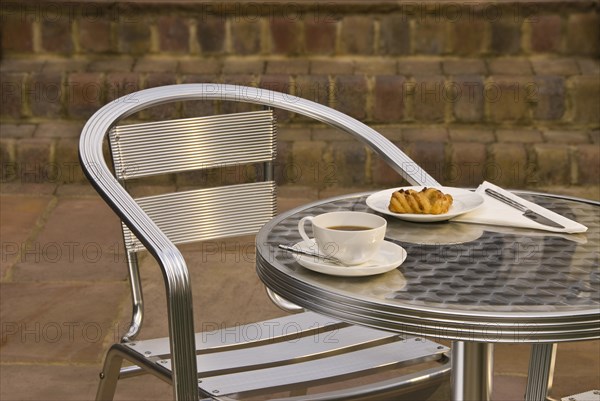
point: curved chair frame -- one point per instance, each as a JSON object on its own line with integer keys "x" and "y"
{"x": 171, "y": 262}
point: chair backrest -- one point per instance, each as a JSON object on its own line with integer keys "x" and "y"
{"x": 175, "y": 146}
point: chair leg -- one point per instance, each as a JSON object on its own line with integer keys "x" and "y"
{"x": 109, "y": 375}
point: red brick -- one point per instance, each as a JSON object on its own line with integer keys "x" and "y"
{"x": 553, "y": 164}
{"x": 313, "y": 87}
{"x": 155, "y": 64}
{"x": 549, "y": 96}
{"x": 430, "y": 36}
{"x": 570, "y": 137}
{"x": 17, "y": 130}
{"x": 519, "y": 135}
{"x": 278, "y": 83}
{"x": 510, "y": 66}
{"x": 11, "y": 103}
{"x": 546, "y": 33}
{"x": 284, "y": 171}
{"x": 425, "y": 135}
{"x": 350, "y": 96}
{"x": 428, "y": 98}
{"x": 430, "y": 156}
{"x": 46, "y": 94}
{"x": 465, "y": 42}
{"x": 134, "y": 38}
{"x": 584, "y": 92}
{"x": 374, "y": 66}
{"x": 289, "y": 66}
{"x": 347, "y": 167}
{"x": 68, "y": 170}
{"x": 589, "y": 66}
{"x": 95, "y": 35}
{"x": 33, "y": 160}
{"x": 111, "y": 64}
{"x": 466, "y": 95}
{"x": 328, "y": 134}
{"x": 245, "y": 36}
{"x": 508, "y": 98}
{"x": 16, "y": 33}
{"x": 210, "y": 32}
{"x": 305, "y": 163}
{"x": 383, "y": 175}
{"x": 70, "y": 64}
{"x": 319, "y": 36}
{"x": 85, "y": 94}
{"x": 583, "y": 34}
{"x": 389, "y": 98}
{"x": 555, "y": 66}
{"x": 588, "y": 158}
{"x": 357, "y": 35}
{"x": 173, "y": 34}
{"x": 471, "y": 135}
{"x": 56, "y": 35}
{"x": 394, "y": 35}
{"x": 331, "y": 66}
{"x": 20, "y": 65}
{"x": 467, "y": 164}
{"x": 506, "y": 36}
{"x": 464, "y": 66}
{"x": 119, "y": 84}
{"x": 508, "y": 166}
{"x": 59, "y": 129}
{"x": 8, "y": 164}
{"x": 243, "y": 66}
{"x": 419, "y": 67}
{"x": 285, "y": 35}
{"x": 200, "y": 66}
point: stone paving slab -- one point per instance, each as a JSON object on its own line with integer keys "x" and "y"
{"x": 36, "y": 382}
{"x": 81, "y": 240}
{"x": 19, "y": 216}
{"x": 58, "y": 322}
{"x": 38, "y": 298}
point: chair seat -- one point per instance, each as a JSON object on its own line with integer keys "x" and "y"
{"x": 293, "y": 352}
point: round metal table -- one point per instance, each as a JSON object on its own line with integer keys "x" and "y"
{"x": 470, "y": 283}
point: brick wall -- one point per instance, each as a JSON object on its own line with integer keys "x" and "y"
{"x": 506, "y": 92}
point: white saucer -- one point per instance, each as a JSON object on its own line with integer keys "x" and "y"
{"x": 463, "y": 201}
{"x": 389, "y": 256}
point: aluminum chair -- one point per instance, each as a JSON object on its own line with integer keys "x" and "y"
{"x": 215, "y": 367}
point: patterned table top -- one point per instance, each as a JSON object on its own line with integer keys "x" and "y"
{"x": 460, "y": 280}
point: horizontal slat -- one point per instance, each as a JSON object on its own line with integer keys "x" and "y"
{"x": 189, "y": 144}
{"x": 212, "y": 339}
{"x": 312, "y": 347}
{"x": 208, "y": 213}
{"x": 324, "y": 370}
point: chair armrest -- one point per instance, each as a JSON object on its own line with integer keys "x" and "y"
{"x": 170, "y": 260}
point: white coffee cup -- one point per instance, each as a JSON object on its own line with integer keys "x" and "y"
{"x": 351, "y": 237}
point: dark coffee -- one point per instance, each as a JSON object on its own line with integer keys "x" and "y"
{"x": 350, "y": 228}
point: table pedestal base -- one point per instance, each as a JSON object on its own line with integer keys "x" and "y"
{"x": 472, "y": 364}
{"x": 541, "y": 372}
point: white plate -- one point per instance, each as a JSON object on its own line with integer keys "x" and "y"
{"x": 388, "y": 257}
{"x": 463, "y": 201}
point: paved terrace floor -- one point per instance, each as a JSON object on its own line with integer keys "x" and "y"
{"x": 64, "y": 298}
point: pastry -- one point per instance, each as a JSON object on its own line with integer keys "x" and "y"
{"x": 426, "y": 201}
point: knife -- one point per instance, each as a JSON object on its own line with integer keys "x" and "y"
{"x": 530, "y": 214}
